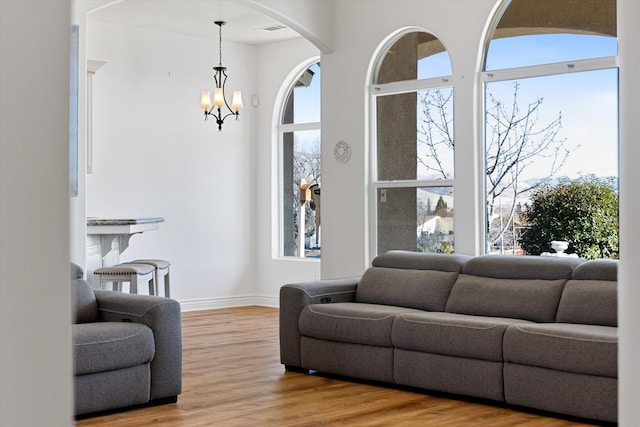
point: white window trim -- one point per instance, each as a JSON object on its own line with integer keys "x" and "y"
{"x": 405, "y": 86}
{"x": 413, "y": 183}
{"x": 298, "y": 127}
{"x": 542, "y": 70}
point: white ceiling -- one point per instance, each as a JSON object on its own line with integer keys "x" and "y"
{"x": 195, "y": 18}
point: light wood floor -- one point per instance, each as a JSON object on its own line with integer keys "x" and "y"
{"x": 232, "y": 376}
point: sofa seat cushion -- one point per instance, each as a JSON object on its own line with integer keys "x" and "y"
{"x": 452, "y": 334}
{"x": 105, "y": 346}
{"x": 354, "y": 323}
{"x": 584, "y": 349}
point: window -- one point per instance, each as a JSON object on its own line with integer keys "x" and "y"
{"x": 551, "y": 115}
{"x": 413, "y": 173}
{"x": 299, "y": 134}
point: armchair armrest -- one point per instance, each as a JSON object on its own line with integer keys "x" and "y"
{"x": 163, "y": 316}
{"x": 294, "y": 297}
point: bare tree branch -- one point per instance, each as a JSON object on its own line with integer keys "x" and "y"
{"x": 515, "y": 142}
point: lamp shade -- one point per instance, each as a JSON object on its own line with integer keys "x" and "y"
{"x": 205, "y": 100}
{"x": 236, "y": 102}
{"x": 218, "y": 97}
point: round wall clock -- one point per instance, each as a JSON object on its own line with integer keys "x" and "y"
{"x": 342, "y": 152}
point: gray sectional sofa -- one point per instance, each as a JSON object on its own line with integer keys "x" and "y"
{"x": 127, "y": 348}
{"x": 537, "y": 332}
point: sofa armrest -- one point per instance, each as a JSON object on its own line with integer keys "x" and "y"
{"x": 163, "y": 316}
{"x": 294, "y": 297}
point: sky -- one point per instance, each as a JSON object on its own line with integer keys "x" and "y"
{"x": 547, "y": 49}
{"x": 306, "y": 107}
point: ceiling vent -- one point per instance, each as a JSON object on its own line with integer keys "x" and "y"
{"x": 274, "y": 28}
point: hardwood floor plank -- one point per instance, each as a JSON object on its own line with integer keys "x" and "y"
{"x": 232, "y": 376}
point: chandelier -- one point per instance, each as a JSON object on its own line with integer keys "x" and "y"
{"x": 219, "y": 100}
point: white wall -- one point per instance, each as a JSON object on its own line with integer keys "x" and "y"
{"x": 345, "y": 111}
{"x": 155, "y": 156}
{"x": 276, "y": 62}
{"x": 77, "y": 205}
{"x": 35, "y": 327}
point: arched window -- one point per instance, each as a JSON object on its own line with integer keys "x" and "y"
{"x": 551, "y": 113}
{"x": 413, "y": 168}
{"x": 299, "y": 136}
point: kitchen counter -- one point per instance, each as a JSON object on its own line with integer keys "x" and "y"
{"x": 111, "y": 236}
{"x": 122, "y": 226}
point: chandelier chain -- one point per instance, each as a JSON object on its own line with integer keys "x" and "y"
{"x": 220, "y": 44}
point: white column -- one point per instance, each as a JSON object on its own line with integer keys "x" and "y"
{"x": 36, "y": 375}
{"x": 628, "y": 285}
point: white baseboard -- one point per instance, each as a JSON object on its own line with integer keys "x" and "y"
{"x": 226, "y": 302}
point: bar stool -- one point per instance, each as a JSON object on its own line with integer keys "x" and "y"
{"x": 162, "y": 270}
{"x": 127, "y": 272}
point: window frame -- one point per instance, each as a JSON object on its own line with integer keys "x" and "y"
{"x": 520, "y": 73}
{"x": 395, "y": 88}
{"x": 280, "y": 130}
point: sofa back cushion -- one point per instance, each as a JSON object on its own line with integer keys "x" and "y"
{"x": 591, "y": 296}
{"x": 410, "y": 279}
{"x": 600, "y": 269}
{"x": 519, "y": 287}
{"x": 75, "y": 271}
{"x": 522, "y": 267}
{"x": 421, "y": 261}
{"x": 84, "y": 307}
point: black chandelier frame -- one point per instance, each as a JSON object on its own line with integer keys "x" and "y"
{"x": 220, "y": 77}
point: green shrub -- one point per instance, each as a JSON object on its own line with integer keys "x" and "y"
{"x": 583, "y": 212}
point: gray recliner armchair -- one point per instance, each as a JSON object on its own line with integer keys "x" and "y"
{"x": 127, "y": 348}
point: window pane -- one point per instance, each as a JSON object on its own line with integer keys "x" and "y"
{"x": 435, "y": 134}
{"x": 416, "y": 55}
{"x": 415, "y": 135}
{"x": 301, "y": 166}
{"x": 571, "y": 132}
{"x": 548, "y": 49}
{"x": 548, "y": 31}
{"x": 303, "y": 103}
{"x": 416, "y": 219}
{"x": 437, "y": 65}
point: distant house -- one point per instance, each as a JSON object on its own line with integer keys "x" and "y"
{"x": 435, "y": 225}
{"x": 435, "y": 234}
